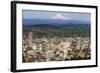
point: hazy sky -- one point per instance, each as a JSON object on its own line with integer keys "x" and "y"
{"x": 31, "y": 14}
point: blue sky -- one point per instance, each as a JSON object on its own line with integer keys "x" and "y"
{"x": 32, "y": 14}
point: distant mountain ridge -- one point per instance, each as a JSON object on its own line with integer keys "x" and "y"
{"x": 68, "y": 30}
{"x": 52, "y": 21}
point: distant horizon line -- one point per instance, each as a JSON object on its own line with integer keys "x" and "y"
{"x": 53, "y": 19}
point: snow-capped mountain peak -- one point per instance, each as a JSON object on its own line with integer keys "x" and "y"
{"x": 60, "y": 17}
